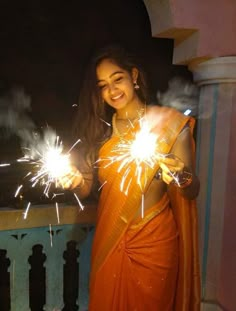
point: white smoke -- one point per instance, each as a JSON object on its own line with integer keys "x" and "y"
{"x": 15, "y": 119}
{"x": 14, "y": 115}
{"x": 181, "y": 95}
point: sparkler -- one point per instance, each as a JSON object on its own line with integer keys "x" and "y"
{"x": 141, "y": 149}
{"x": 50, "y": 164}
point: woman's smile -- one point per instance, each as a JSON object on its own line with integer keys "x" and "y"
{"x": 117, "y": 97}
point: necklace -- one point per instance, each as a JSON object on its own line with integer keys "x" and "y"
{"x": 130, "y": 124}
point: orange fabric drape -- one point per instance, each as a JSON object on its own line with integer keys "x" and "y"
{"x": 116, "y": 212}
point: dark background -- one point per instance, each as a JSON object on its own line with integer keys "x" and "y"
{"x": 45, "y": 46}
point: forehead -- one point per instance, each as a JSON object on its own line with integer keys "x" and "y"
{"x": 107, "y": 68}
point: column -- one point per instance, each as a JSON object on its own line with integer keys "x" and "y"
{"x": 216, "y": 158}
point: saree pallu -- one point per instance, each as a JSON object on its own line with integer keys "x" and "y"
{"x": 116, "y": 212}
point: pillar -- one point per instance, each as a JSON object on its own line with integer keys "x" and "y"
{"x": 216, "y": 166}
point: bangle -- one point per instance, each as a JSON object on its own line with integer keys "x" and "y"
{"x": 183, "y": 179}
{"x": 186, "y": 183}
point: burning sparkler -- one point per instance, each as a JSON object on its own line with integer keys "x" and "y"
{"x": 140, "y": 149}
{"x": 50, "y": 163}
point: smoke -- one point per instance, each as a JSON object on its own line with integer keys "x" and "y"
{"x": 14, "y": 115}
{"x": 15, "y": 119}
{"x": 181, "y": 95}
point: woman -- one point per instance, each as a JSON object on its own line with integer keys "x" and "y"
{"x": 142, "y": 258}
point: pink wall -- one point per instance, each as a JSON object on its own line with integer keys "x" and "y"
{"x": 215, "y": 20}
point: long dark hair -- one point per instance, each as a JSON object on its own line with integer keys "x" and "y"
{"x": 93, "y": 116}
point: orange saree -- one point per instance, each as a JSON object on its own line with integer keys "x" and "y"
{"x": 148, "y": 264}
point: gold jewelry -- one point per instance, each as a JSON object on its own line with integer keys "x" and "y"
{"x": 183, "y": 179}
{"x": 131, "y": 121}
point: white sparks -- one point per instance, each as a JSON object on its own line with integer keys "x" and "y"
{"x": 58, "y": 216}
{"x": 141, "y": 150}
{"x": 27, "y": 210}
{"x": 5, "y": 164}
{"x": 18, "y": 190}
{"x": 79, "y": 202}
{"x": 144, "y": 145}
{"x": 79, "y": 140}
{"x": 102, "y": 185}
{"x": 107, "y": 123}
{"x": 24, "y": 159}
{"x": 51, "y": 163}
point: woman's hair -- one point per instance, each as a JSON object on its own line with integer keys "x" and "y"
{"x": 93, "y": 115}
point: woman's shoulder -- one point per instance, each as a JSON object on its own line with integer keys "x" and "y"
{"x": 161, "y": 114}
{"x": 163, "y": 110}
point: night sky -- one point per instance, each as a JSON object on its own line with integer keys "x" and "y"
{"x": 45, "y": 46}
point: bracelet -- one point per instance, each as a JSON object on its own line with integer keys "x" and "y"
{"x": 184, "y": 179}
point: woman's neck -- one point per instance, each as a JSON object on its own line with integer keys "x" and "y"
{"x": 131, "y": 111}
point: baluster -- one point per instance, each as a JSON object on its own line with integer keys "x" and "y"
{"x": 18, "y": 254}
{"x": 54, "y": 248}
{"x": 84, "y": 270}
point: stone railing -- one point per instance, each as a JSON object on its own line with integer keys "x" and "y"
{"x": 44, "y": 257}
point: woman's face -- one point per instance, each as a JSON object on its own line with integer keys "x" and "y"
{"x": 116, "y": 84}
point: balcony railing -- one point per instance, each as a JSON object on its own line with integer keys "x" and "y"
{"x": 44, "y": 257}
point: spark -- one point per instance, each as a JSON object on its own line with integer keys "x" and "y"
{"x": 5, "y": 164}
{"x": 27, "y": 210}
{"x": 18, "y": 190}
{"x": 51, "y": 164}
{"x": 107, "y": 123}
{"x": 141, "y": 149}
{"x": 22, "y": 160}
{"x": 79, "y": 202}
{"x": 58, "y": 216}
{"x": 102, "y": 185}
{"x": 57, "y": 194}
{"x": 49, "y": 161}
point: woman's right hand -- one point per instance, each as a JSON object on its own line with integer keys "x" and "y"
{"x": 72, "y": 180}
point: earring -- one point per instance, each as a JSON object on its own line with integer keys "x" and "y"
{"x": 136, "y": 86}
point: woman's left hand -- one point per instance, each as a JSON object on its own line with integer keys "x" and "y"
{"x": 72, "y": 179}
